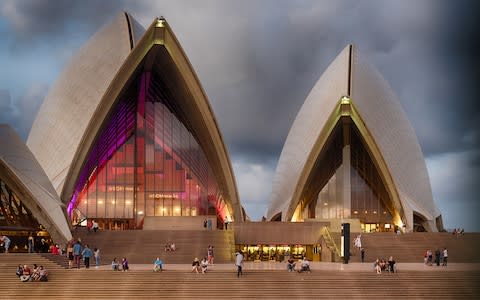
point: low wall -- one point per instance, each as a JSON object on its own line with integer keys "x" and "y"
{"x": 178, "y": 223}
{"x": 279, "y": 233}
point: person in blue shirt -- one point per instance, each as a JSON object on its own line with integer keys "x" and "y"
{"x": 77, "y": 252}
{"x": 158, "y": 265}
{"x": 87, "y": 253}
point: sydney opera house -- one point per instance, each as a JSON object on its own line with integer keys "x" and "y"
{"x": 126, "y": 136}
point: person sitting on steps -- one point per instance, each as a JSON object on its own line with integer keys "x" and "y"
{"x": 304, "y": 266}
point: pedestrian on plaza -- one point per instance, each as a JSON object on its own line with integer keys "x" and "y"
{"x": 362, "y": 254}
{"x": 125, "y": 266}
{"x": 357, "y": 242}
{"x": 445, "y": 257}
{"x": 70, "y": 255}
{"x": 210, "y": 255}
{"x": 437, "y": 257}
{"x": 96, "y": 254}
{"x": 209, "y": 224}
{"x": 77, "y": 253}
{"x": 94, "y": 226}
{"x": 87, "y": 253}
{"x": 31, "y": 244}
{"x": 239, "y": 263}
{"x": 6, "y": 242}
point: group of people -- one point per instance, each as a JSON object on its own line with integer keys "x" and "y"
{"x": 40, "y": 246}
{"x": 92, "y": 225}
{"x": 39, "y": 273}
{"x": 200, "y": 266}
{"x": 120, "y": 266}
{"x": 458, "y": 231}
{"x": 382, "y": 265}
{"x": 170, "y": 247}
{"x": 304, "y": 265}
{"x": 441, "y": 257}
{"x": 76, "y": 252}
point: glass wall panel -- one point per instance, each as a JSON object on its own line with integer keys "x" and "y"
{"x": 147, "y": 162}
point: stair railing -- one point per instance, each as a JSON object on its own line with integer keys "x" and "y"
{"x": 329, "y": 239}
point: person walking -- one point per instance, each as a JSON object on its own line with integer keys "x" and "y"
{"x": 445, "y": 257}
{"x": 6, "y": 242}
{"x": 362, "y": 254}
{"x": 210, "y": 255}
{"x": 87, "y": 253}
{"x": 70, "y": 254}
{"x": 437, "y": 257}
{"x": 95, "y": 226}
{"x": 31, "y": 244}
{"x": 239, "y": 263}
{"x": 77, "y": 253}
{"x": 96, "y": 254}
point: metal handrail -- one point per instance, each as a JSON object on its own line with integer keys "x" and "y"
{"x": 327, "y": 234}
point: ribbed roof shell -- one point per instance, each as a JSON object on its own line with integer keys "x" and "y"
{"x": 72, "y": 100}
{"x": 385, "y": 121}
{"x": 24, "y": 175}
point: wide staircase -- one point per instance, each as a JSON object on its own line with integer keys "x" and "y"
{"x": 410, "y": 247}
{"x": 143, "y": 246}
{"x": 262, "y": 284}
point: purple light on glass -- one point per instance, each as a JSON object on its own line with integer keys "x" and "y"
{"x": 115, "y": 133}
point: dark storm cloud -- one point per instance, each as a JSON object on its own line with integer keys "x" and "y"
{"x": 20, "y": 113}
{"x": 6, "y": 108}
{"x": 44, "y": 21}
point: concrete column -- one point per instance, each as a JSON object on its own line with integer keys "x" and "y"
{"x": 346, "y": 182}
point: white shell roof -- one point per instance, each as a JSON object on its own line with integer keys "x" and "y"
{"x": 69, "y": 106}
{"x": 22, "y": 168}
{"x": 383, "y": 116}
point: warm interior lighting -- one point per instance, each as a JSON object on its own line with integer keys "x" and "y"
{"x": 387, "y": 226}
{"x": 355, "y": 211}
{"x": 113, "y": 201}
{"x": 128, "y": 202}
{"x": 374, "y": 211}
{"x": 140, "y": 212}
{"x": 160, "y": 23}
{"x": 345, "y": 100}
{"x": 100, "y": 202}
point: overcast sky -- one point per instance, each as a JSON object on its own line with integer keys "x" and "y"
{"x": 258, "y": 60}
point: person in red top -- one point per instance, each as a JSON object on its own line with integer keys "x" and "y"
{"x": 54, "y": 250}
{"x": 89, "y": 225}
{"x": 26, "y": 274}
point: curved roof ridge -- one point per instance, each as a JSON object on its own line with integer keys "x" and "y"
{"x": 71, "y": 101}
{"x": 27, "y": 178}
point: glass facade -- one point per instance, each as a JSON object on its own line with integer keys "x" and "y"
{"x": 146, "y": 161}
{"x": 18, "y": 223}
{"x": 325, "y": 188}
{"x": 13, "y": 214}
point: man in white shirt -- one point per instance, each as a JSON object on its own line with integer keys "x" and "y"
{"x": 239, "y": 263}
